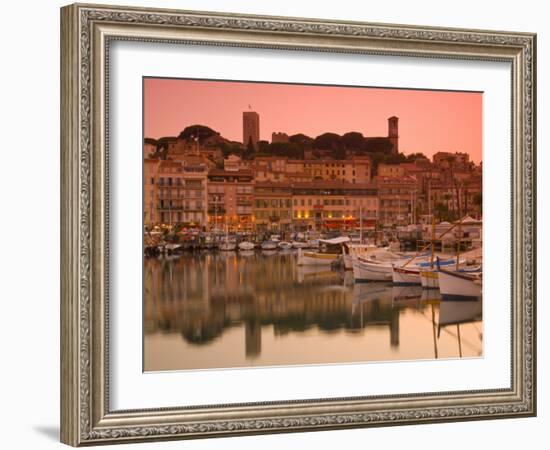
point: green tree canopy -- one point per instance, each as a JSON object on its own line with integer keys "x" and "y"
{"x": 328, "y": 141}
{"x": 201, "y": 131}
{"x": 378, "y": 145}
{"x": 301, "y": 139}
{"x": 353, "y": 140}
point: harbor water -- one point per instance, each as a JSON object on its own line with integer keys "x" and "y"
{"x": 213, "y": 310}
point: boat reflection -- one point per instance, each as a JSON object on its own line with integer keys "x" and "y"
{"x": 207, "y": 298}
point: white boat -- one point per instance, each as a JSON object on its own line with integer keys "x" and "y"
{"x": 313, "y": 243}
{"x": 299, "y": 244}
{"x": 285, "y": 245}
{"x": 245, "y": 245}
{"x": 354, "y": 251}
{"x": 459, "y": 285}
{"x": 429, "y": 279}
{"x": 332, "y": 249}
{"x": 381, "y": 269}
{"x": 406, "y": 276}
{"x": 172, "y": 247}
{"x": 307, "y": 258}
{"x": 228, "y": 245}
{"x": 367, "y": 270}
{"x": 269, "y": 245}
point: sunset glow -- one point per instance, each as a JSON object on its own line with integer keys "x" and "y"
{"x": 429, "y": 121}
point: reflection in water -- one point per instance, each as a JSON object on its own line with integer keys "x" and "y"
{"x": 229, "y": 309}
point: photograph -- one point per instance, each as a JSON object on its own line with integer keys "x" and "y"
{"x": 306, "y": 224}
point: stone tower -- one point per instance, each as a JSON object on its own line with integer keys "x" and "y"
{"x": 251, "y": 128}
{"x": 393, "y": 133}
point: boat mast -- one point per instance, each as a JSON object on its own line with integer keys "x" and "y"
{"x": 433, "y": 243}
{"x": 360, "y": 224}
{"x": 459, "y": 230}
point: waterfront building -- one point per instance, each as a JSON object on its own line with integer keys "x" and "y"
{"x": 334, "y": 205}
{"x": 397, "y": 200}
{"x": 272, "y": 206}
{"x": 251, "y": 128}
{"x": 181, "y": 190}
{"x": 230, "y": 199}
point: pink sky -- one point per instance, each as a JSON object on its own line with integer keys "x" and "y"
{"x": 429, "y": 121}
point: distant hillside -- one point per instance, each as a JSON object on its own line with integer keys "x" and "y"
{"x": 326, "y": 145}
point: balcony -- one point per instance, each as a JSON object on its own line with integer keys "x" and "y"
{"x": 170, "y": 208}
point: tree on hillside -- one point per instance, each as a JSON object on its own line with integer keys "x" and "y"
{"x": 353, "y": 141}
{"x": 250, "y": 150}
{"x": 263, "y": 146}
{"x": 328, "y": 141}
{"x": 288, "y": 149}
{"x": 378, "y": 145}
{"x": 201, "y": 131}
{"x": 302, "y": 140}
{"x": 416, "y": 156}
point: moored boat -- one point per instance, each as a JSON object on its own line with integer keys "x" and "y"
{"x": 246, "y": 245}
{"x": 366, "y": 270}
{"x": 332, "y": 250}
{"x": 285, "y": 245}
{"x": 406, "y": 276}
{"x": 307, "y": 258}
{"x": 429, "y": 279}
{"x": 299, "y": 244}
{"x": 269, "y": 245}
{"x": 228, "y": 245}
{"x": 459, "y": 285}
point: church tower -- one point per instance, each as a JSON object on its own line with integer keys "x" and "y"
{"x": 393, "y": 133}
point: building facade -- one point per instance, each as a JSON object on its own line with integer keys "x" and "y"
{"x": 273, "y": 206}
{"x": 230, "y": 200}
{"x": 181, "y": 194}
{"x": 334, "y": 205}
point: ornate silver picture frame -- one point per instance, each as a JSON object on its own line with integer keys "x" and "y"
{"x": 87, "y": 32}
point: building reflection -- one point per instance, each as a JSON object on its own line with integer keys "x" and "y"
{"x": 201, "y": 296}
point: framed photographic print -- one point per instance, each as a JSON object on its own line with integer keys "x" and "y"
{"x": 276, "y": 225}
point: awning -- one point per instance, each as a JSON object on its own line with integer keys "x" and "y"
{"x": 335, "y": 241}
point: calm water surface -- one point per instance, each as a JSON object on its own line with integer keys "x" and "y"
{"x": 229, "y": 309}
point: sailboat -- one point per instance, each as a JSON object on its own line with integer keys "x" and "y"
{"x": 227, "y": 244}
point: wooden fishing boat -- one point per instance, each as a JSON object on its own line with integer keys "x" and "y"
{"x": 459, "y": 285}
{"x": 331, "y": 250}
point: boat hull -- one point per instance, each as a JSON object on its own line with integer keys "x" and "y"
{"x": 405, "y": 277}
{"x": 246, "y": 246}
{"x": 269, "y": 245}
{"x": 429, "y": 279}
{"x": 364, "y": 271}
{"x": 316, "y": 259}
{"x": 457, "y": 287}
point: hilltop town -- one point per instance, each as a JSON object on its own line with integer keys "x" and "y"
{"x": 202, "y": 180}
